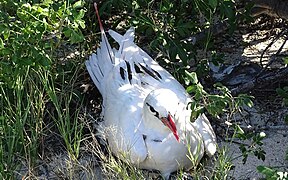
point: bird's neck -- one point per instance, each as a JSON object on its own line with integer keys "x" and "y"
{"x": 155, "y": 127}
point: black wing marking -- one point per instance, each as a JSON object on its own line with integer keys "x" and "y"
{"x": 129, "y": 71}
{"x": 156, "y": 73}
{"x": 137, "y": 68}
{"x": 152, "y": 73}
{"x": 122, "y": 73}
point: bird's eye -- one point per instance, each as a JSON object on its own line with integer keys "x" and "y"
{"x": 154, "y": 112}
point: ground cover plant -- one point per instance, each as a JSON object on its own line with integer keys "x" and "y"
{"x": 47, "y": 106}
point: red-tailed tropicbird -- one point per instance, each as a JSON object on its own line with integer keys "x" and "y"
{"x": 145, "y": 111}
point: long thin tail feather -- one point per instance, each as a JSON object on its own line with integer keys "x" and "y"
{"x": 100, "y": 65}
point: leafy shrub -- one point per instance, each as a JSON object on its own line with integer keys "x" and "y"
{"x": 215, "y": 104}
{"x": 169, "y": 25}
{"x": 30, "y": 32}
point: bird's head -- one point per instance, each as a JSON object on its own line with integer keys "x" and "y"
{"x": 159, "y": 108}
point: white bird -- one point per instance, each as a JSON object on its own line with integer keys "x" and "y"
{"x": 145, "y": 111}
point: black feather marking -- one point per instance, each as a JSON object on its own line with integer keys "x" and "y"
{"x": 144, "y": 136}
{"x": 154, "y": 112}
{"x": 129, "y": 71}
{"x": 122, "y": 73}
{"x": 107, "y": 45}
{"x": 101, "y": 71}
{"x": 137, "y": 69}
{"x": 149, "y": 72}
{"x": 95, "y": 77}
{"x": 156, "y": 73}
{"x": 157, "y": 140}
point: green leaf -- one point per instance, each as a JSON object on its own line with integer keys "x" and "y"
{"x": 213, "y": 3}
{"x": 286, "y": 119}
{"x": 81, "y": 14}
{"x": 227, "y": 9}
{"x": 192, "y": 77}
{"x": 285, "y": 59}
{"x": 268, "y": 172}
{"x": 248, "y": 102}
{"x": 82, "y": 24}
{"x": 193, "y": 105}
{"x": 238, "y": 129}
{"x": 67, "y": 32}
{"x": 77, "y": 4}
{"x": 76, "y": 37}
{"x": 282, "y": 92}
{"x": 191, "y": 89}
{"x": 4, "y": 30}
{"x": 1, "y": 43}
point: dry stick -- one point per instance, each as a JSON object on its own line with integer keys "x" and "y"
{"x": 277, "y": 53}
{"x": 261, "y": 81}
{"x": 276, "y": 8}
{"x": 280, "y": 49}
{"x": 270, "y": 44}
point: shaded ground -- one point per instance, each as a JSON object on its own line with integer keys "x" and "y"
{"x": 245, "y": 51}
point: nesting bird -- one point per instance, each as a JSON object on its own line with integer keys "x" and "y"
{"x": 145, "y": 108}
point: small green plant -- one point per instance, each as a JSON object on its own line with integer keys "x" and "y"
{"x": 215, "y": 104}
{"x": 22, "y": 110}
{"x": 223, "y": 164}
{"x": 67, "y": 104}
{"x": 272, "y": 174}
{"x": 255, "y": 146}
{"x": 224, "y": 102}
{"x": 283, "y": 92}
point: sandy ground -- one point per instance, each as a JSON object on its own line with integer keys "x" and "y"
{"x": 266, "y": 116}
{"x": 275, "y": 146}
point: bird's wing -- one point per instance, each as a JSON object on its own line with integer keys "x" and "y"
{"x": 117, "y": 82}
{"x": 150, "y": 74}
{"x": 123, "y": 120}
{"x": 203, "y": 126}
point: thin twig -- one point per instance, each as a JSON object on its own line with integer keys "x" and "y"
{"x": 270, "y": 44}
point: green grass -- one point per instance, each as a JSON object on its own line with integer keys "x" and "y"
{"x": 67, "y": 106}
{"x": 21, "y": 123}
{"x": 31, "y": 34}
{"x": 24, "y": 112}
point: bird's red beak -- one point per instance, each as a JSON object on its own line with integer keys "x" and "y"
{"x": 171, "y": 125}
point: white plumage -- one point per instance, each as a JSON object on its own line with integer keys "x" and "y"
{"x": 145, "y": 110}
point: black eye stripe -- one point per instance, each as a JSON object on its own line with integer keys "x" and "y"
{"x": 153, "y": 110}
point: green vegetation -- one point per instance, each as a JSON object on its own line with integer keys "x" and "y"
{"x": 43, "y": 45}
{"x": 32, "y": 77}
